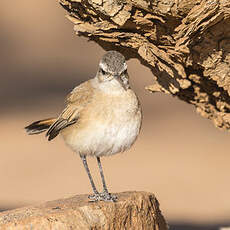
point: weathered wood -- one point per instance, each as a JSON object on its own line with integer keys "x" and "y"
{"x": 185, "y": 44}
{"x": 134, "y": 210}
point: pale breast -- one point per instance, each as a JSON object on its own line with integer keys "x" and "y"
{"x": 108, "y": 125}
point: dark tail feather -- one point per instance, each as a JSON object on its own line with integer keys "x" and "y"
{"x": 39, "y": 126}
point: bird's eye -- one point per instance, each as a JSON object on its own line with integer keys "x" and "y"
{"x": 125, "y": 71}
{"x": 102, "y": 71}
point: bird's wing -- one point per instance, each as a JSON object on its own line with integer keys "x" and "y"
{"x": 76, "y": 102}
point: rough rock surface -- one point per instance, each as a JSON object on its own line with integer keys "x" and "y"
{"x": 134, "y": 210}
{"x": 185, "y": 43}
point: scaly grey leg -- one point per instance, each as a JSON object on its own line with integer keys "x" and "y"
{"x": 105, "y": 195}
{"x": 96, "y": 195}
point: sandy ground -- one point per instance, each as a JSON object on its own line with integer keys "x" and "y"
{"x": 179, "y": 156}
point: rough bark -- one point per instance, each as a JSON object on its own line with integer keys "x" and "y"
{"x": 185, "y": 43}
{"x": 134, "y": 210}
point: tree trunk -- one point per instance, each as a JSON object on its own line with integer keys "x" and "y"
{"x": 185, "y": 43}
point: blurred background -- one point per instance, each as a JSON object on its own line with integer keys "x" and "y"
{"x": 179, "y": 156}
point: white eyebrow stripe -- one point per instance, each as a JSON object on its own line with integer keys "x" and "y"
{"x": 103, "y": 66}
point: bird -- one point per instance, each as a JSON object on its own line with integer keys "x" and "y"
{"x": 102, "y": 117}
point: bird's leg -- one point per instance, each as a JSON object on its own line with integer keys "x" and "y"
{"x": 96, "y": 195}
{"x": 105, "y": 195}
{"x": 105, "y": 190}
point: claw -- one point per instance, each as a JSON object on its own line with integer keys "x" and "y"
{"x": 108, "y": 197}
{"x": 105, "y": 196}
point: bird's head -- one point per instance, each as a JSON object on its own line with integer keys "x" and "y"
{"x": 112, "y": 67}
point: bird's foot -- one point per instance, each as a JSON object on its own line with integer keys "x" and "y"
{"x": 108, "y": 197}
{"x": 94, "y": 197}
{"x": 104, "y": 196}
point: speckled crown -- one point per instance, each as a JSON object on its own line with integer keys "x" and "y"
{"x": 113, "y": 62}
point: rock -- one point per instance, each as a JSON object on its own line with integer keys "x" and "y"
{"x": 133, "y": 210}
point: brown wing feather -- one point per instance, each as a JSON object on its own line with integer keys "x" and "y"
{"x": 39, "y": 126}
{"x": 57, "y": 127}
{"x": 76, "y": 102}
